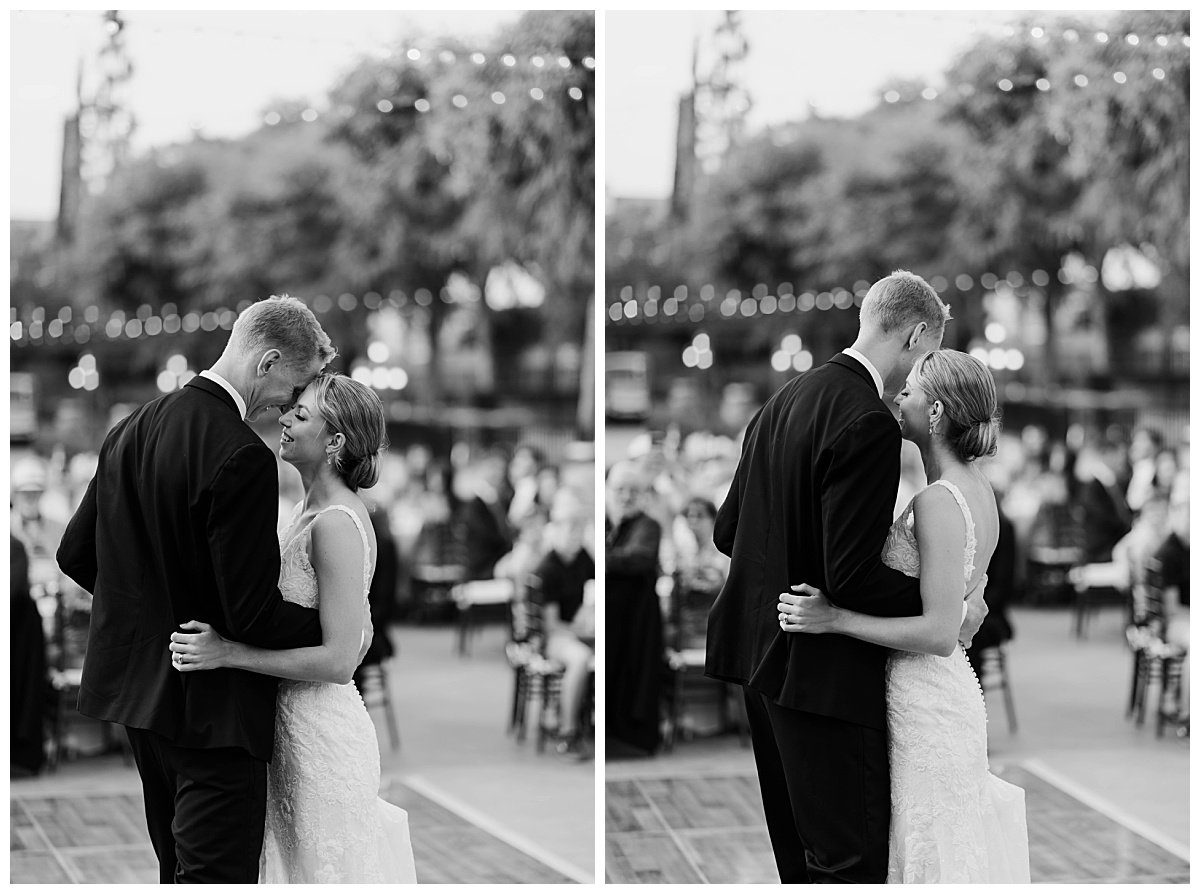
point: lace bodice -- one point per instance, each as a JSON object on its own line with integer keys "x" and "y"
{"x": 297, "y": 579}
{"x": 900, "y": 548}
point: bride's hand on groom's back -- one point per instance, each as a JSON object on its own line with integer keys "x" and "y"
{"x": 806, "y": 610}
{"x": 196, "y": 646}
{"x": 976, "y": 611}
{"x": 368, "y": 634}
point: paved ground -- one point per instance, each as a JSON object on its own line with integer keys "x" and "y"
{"x": 483, "y": 807}
{"x": 1107, "y": 802}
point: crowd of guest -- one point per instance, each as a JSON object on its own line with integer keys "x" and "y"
{"x": 1111, "y": 496}
{"x": 472, "y": 514}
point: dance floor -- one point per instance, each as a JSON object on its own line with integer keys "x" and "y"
{"x": 710, "y": 829}
{"x": 101, "y": 837}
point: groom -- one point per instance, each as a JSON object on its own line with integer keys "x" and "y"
{"x": 811, "y": 502}
{"x": 179, "y": 523}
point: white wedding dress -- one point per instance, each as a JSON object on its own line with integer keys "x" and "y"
{"x": 325, "y": 820}
{"x": 952, "y": 820}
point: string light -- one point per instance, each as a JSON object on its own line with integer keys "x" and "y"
{"x": 627, "y": 309}
{"x": 168, "y": 321}
{"x": 458, "y": 101}
{"x": 1008, "y": 84}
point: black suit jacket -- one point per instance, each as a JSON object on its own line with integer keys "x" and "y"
{"x": 179, "y": 524}
{"x": 811, "y": 502}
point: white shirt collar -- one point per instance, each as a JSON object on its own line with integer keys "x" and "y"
{"x": 237, "y": 398}
{"x": 875, "y": 376}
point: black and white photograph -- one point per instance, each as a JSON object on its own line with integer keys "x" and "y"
{"x": 896, "y": 447}
{"x": 302, "y": 447}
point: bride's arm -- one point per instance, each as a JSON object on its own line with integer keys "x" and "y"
{"x": 337, "y": 558}
{"x": 941, "y": 538}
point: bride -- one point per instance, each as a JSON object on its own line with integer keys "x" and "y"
{"x": 325, "y": 821}
{"x": 952, "y": 820}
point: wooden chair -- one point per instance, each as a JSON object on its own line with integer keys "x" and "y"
{"x": 66, "y": 648}
{"x": 432, "y": 586}
{"x": 472, "y": 598}
{"x": 372, "y": 682}
{"x": 684, "y": 663}
{"x": 993, "y": 674}
{"x": 1156, "y": 660}
{"x": 1095, "y": 584}
{"x": 537, "y": 680}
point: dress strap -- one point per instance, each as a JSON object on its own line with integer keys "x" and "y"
{"x": 966, "y": 511}
{"x": 362, "y": 532}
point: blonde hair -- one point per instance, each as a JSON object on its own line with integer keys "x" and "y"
{"x": 901, "y": 301}
{"x": 354, "y": 410}
{"x": 286, "y": 324}
{"x": 968, "y": 395}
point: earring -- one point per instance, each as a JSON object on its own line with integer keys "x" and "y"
{"x": 931, "y": 426}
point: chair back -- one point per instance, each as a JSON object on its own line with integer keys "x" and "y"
{"x": 69, "y": 628}
{"x": 1155, "y": 605}
{"x": 528, "y": 625}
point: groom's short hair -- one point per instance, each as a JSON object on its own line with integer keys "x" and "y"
{"x": 899, "y": 302}
{"x": 286, "y": 324}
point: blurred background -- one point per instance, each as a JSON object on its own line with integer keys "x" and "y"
{"x": 762, "y": 170}
{"x": 425, "y": 183}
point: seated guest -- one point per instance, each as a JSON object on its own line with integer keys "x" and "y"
{"x": 1133, "y": 551}
{"x": 1169, "y": 570}
{"x": 1101, "y": 512}
{"x": 633, "y": 641}
{"x": 1001, "y": 573}
{"x": 558, "y": 585}
{"x": 700, "y": 572}
{"x": 523, "y": 470}
{"x": 381, "y": 597}
{"x": 519, "y": 562}
{"x": 1143, "y": 461}
{"x": 485, "y": 518}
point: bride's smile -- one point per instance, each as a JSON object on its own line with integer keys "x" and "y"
{"x": 300, "y": 440}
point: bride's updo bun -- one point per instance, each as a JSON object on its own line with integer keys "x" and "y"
{"x": 968, "y": 394}
{"x": 364, "y": 473}
{"x": 350, "y": 407}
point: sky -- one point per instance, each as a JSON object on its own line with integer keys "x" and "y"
{"x": 211, "y": 71}
{"x": 835, "y": 61}
{"x": 214, "y": 72}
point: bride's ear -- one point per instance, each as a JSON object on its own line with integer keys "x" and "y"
{"x": 337, "y": 441}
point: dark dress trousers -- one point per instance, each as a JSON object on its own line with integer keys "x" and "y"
{"x": 811, "y": 502}
{"x": 178, "y": 524}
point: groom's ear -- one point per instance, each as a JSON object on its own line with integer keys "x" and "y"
{"x": 267, "y": 360}
{"x": 916, "y": 335}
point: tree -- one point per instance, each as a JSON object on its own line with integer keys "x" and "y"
{"x": 498, "y": 168}
{"x": 1064, "y": 159}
